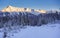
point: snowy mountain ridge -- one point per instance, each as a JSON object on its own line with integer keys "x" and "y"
{"x": 16, "y": 9}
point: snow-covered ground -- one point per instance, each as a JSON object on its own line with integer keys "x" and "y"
{"x": 44, "y": 31}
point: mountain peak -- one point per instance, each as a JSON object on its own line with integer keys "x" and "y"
{"x": 9, "y": 6}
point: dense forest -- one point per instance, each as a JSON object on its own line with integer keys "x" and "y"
{"x": 25, "y": 18}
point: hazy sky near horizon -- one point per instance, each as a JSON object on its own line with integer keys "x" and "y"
{"x": 35, "y": 4}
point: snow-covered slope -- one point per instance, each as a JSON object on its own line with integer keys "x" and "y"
{"x": 44, "y": 31}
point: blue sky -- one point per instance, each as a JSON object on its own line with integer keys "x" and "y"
{"x": 35, "y": 4}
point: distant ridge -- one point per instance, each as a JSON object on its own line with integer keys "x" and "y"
{"x": 16, "y": 9}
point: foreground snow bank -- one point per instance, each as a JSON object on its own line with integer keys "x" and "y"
{"x": 45, "y": 31}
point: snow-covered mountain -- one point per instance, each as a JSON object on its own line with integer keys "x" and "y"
{"x": 14, "y": 19}
{"x": 16, "y": 9}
